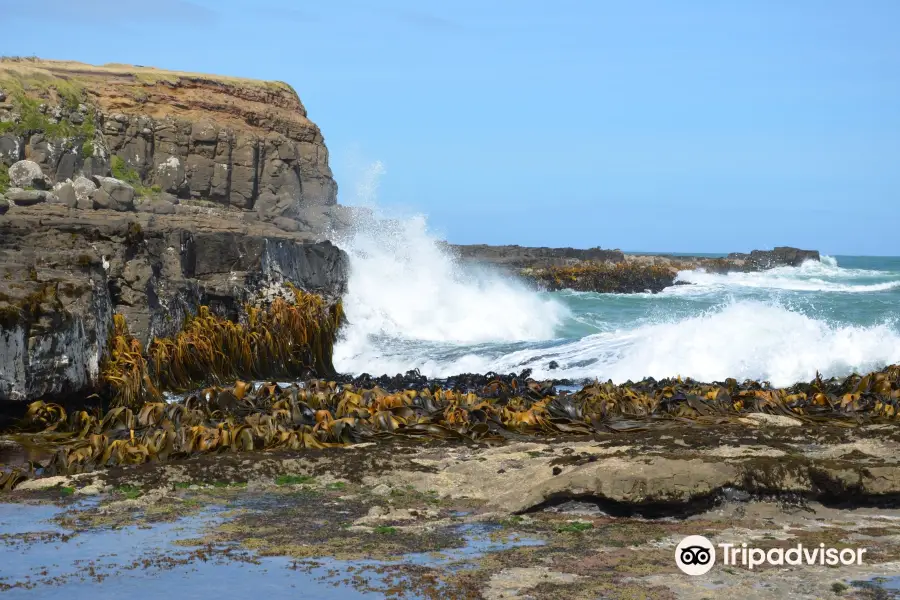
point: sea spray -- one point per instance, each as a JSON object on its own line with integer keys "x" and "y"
{"x": 411, "y": 304}
{"x": 405, "y": 286}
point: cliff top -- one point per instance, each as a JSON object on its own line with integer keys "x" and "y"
{"x": 152, "y": 92}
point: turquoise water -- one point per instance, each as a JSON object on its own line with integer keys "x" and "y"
{"x": 411, "y": 307}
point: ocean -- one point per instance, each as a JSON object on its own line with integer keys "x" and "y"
{"x": 410, "y": 305}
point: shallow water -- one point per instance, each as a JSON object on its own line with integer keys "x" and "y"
{"x": 410, "y": 305}
{"x": 146, "y": 563}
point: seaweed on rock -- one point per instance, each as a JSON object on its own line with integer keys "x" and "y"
{"x": 285, "y": 339}
{"x": 319, "y": 413}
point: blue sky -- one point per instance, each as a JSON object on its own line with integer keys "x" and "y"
{"x": 696, "y": 125}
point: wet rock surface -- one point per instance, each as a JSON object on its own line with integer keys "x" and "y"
{"x": 391, "y": 518}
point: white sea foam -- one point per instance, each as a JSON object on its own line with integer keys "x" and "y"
{"x": 743, "y": 339}
{"x": 404, "y": 286}
{"x": 411, "y": 305}
{"x": 811, "y": 276}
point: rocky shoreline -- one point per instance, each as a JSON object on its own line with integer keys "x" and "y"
{"x": 164, "y": 257}
{"x": 586, "y": 518}
{"x": 612, "y": 271}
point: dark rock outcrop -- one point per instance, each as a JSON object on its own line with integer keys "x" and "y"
{"x": 779, "y": 257}
{"x": 64, "y": 273}
{"x": 611, "y": 271}
{"x": 525, "y": 257}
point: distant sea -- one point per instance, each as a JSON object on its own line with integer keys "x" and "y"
{"x": 411, "y": 306}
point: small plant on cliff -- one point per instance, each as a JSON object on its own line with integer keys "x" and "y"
{"x": 33, "y": 119}
{"x": 87, "y": 149}
{"x": 4, "y": 178}
{"x": 120, "y": 170}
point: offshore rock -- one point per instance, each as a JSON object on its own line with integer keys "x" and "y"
{"x": 534, "y": 258}
{"x": 612, "y": 271}
{"x": 779, "y": 257}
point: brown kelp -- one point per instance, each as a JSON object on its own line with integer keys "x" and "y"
{"x": 604, "y": 277}
{"x": 285, "y": 339}
{"x": 319, "y": 414}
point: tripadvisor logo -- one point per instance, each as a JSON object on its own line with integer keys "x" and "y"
{"x": 696, "y": 555}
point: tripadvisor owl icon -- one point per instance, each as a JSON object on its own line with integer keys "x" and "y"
{"x": 695, "y": 555}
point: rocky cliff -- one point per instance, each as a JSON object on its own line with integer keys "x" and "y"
{"x": 147, "y": 193}
{"x": 233, "y": 142}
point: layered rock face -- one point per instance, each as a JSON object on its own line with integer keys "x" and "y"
{"x": 229, "y": 142}
{"x": 148, "y": 194}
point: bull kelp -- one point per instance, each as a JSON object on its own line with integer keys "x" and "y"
{"x": 488, "y": 409}
{"x": 604, "y": 277}
{"x": 284, "y": 339}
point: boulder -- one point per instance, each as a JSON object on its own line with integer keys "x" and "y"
{"x": 65, "y": 195}
{"x": 84, "y": 187}
{"x": 4, "y": 204}
{"x": 28, "y": 174}
{"x": 12, "y": 149}
{"x": 29, "y": 197}
{"x": 113, "y": 194}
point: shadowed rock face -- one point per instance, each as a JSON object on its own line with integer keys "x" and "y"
{"x": 64, "y": 273}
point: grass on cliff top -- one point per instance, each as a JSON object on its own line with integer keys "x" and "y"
{"x": 87, "y": 76}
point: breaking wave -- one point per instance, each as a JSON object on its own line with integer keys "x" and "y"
{"x": 404, "y": 286}
{"x": 742, "y": 339}
{"x": 811, "y": 276}
{"x": 411, "y": 305}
